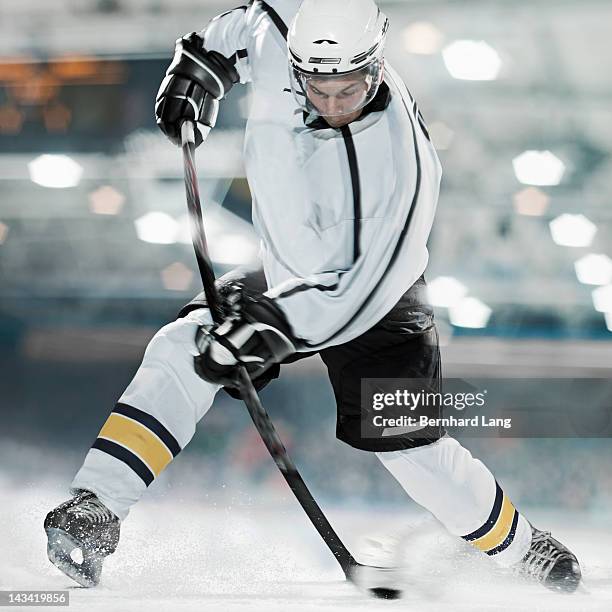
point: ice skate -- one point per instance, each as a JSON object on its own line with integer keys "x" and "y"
{"x": 81, "y": 532}
{"x": 548, "y": 561}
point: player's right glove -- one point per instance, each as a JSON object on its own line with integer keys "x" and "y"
{"x": 194, "y": 83}
{"x": 256, "y": 336}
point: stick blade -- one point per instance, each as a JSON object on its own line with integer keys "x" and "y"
{"x": 379, "y": 582}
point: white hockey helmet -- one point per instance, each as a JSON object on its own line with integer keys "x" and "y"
{"x": 335, "y": 41}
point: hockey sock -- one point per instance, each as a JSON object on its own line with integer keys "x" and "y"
{"x": 463, "y": 495}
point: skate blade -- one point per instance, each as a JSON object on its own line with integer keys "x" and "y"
{"x": 380, "y": 582}
{"x": 60, "y": 547}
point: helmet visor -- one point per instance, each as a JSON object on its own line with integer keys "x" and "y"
{"x": 334, "y": 95}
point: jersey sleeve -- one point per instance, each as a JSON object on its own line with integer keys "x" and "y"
{"x": 228, "y": 34}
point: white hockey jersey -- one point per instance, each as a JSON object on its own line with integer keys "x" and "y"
{"x": 344, "y": 214}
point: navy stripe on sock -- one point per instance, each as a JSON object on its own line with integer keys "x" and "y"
{"x": 129, "y": 458}
{"x": 509, "y": 538}
{"x": 150, "y": 422}
{"x": 490, "y": 522}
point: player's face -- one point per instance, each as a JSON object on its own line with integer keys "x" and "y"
{"x": 335, "y": 99}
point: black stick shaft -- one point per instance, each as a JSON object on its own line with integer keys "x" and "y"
{"x": 197, "y": 226}
{"x": 288, "y": 469}
{"x": 258, "y": 414}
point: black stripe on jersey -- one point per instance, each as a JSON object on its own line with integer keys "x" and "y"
{"x": 490, "y": 522}
{"x": 356, "y": 187}
{"x": 402, "y": 235}
{"x": 423, "y": 126}
{"x": 151, "y": 423}
{"x": 417, "y": 113}
{"x": 355, "y": 183}
{"x": 509, "y": 538}
{"x": 240, "y": 54}
{"x": 275, "y": 17}
{"x": 419, "y": 116}
{"x": 129, "y": 458}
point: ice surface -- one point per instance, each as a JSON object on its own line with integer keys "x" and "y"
{"x": 188, "y": 554}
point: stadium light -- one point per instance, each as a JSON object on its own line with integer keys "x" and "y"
{"x": 602, "y": 299}
{"x": 469, "y": 312}
{"x": 541, "y": 168}
{"x": 472, "y": 60}
{"x": 106, "y": 200}
{"x": 572, "y": 230}
{"x": 156, "y": 227}
{"x": 531, "y": 201}
{"x": 445, "y": 291}
{"x": 594, "y": 269}
{"x": 55, "y": 171}
{"x": 422, "y": 38}
{"x": 177, "y": 277}
{"x": 4, "y": 229}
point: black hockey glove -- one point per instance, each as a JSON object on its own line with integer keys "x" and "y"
{"x": 256, "y": 336}
{"x": 194, "y": 83}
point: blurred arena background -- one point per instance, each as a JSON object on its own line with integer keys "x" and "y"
{"x": 95, "y": 251}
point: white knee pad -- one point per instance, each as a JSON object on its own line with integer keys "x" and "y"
{"x": 177, "y": 338}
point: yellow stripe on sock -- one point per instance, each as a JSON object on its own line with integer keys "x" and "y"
{"x": 500, "y": 530}
{"x": 140, "y": 440}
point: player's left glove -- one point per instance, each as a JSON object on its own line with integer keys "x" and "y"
{"x": 194, "y": 83}
{"x": 256, "y": 336}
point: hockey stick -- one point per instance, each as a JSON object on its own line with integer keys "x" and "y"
{"x": 260, "y": 417}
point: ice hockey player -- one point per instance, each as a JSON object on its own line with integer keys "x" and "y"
{"x": 345, "y": 182}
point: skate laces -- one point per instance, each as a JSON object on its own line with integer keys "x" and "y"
{"x": 541, "y": 556}
{"x": 92, "y": 509}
